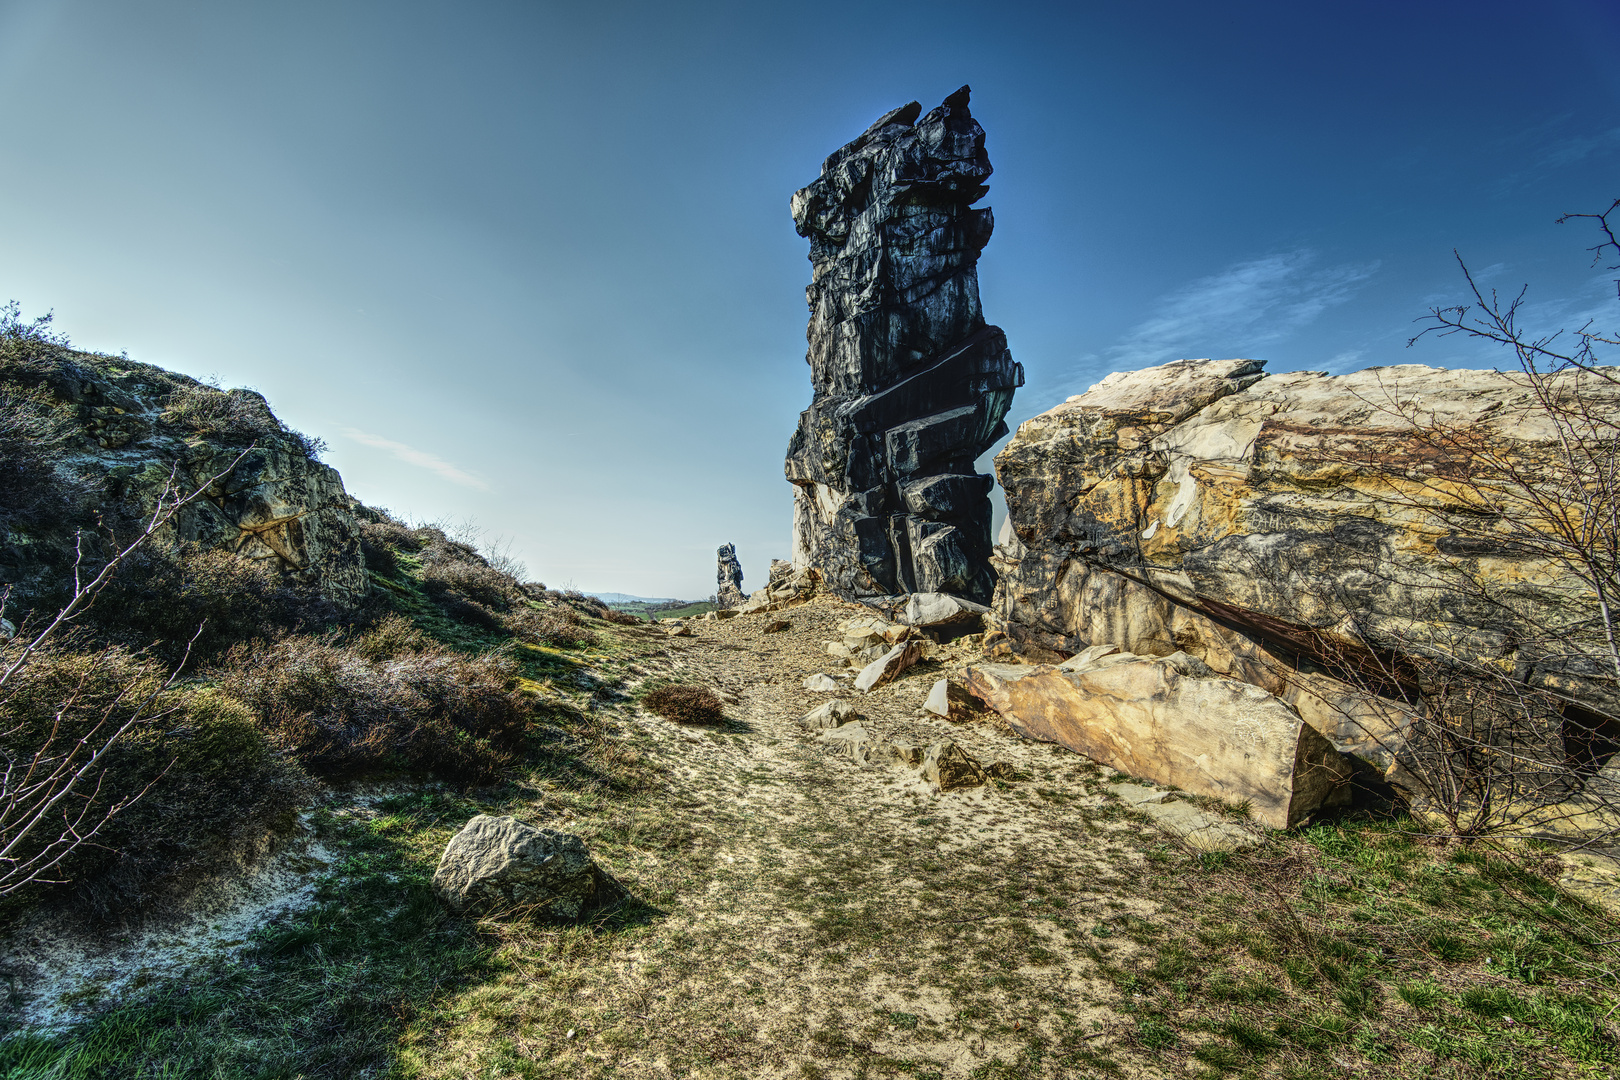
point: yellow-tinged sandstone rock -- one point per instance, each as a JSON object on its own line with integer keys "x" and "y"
{"x": 1173, "y": 721}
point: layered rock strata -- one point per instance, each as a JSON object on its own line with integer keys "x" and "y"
{"x": 1284, "y": 529}
{"x": 910, "y": 384}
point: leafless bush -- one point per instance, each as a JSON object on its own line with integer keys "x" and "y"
{"x": 389, "y": 699}
{"x": 395, "y": 535}
{"x": 1500, "y": 649}
{"x": 50, "y": 780}
{"x": 168, "y": 591}
{"x": 471, "y": 580}
{"x": 622, "y": 618}
{"x": 190, "y": 783}
{"x": 31, "y": 490}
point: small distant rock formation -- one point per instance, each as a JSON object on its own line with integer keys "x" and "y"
{"x": 910, "y": 384}
{"x": 728, "y": 578}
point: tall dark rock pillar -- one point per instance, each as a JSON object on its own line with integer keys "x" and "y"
{"x": 910, "y": 384}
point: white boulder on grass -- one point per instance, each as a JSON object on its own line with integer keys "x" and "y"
{"x": 500, "y": 866}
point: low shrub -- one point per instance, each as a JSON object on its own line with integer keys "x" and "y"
{"x": 685, "y": 704}
{"x": 559, "y": 627}
{"x": 393, "y": 636}
{"x": 218, "y": 790}
{"x": 380, "y": 557}
{"x": 388, "y": 532}
{"x": 234, "y": 416}
{"x": 166, "y": 593}
{"x": 32, "y": 492}
{"x": 475, "y": 581}
{"x": 623, "y": 618}
{"x": 388, "y": 699}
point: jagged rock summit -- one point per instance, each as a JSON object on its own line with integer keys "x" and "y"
{"x": 728, "y": 577}
{"x": 910, "y": 384}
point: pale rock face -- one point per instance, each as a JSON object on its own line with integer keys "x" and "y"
{"x": 499, "y": 865}
{"x": 1170, "y": 720}
{"x": 821, "y": 683}
{"x": 941, "y": 609}
{"x": 852, "y": 741}
{"x": 953, "y": 702}
{"x": 910, "y": 384}
{"x": 1248, "y": 519}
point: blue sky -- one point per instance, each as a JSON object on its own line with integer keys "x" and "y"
{"x": 531, "y": 265}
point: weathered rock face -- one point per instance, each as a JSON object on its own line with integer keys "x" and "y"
{"x": 1268, "y": 525}
{"x": 728, "y": 577}
{"x": 910, "y": 384}
{"x": 122, "y": 426}
{"x": 1172, "y": 720}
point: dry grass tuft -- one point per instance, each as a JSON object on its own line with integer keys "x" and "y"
{"x": 686, "y": 704}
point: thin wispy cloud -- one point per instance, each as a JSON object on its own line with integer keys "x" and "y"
{"x": 1537, "y": 155}
{"x": 420, "y": 458}
{"x": 1235, "y": 312}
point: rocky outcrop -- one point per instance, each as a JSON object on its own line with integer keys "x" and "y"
{"x": 1174, "y": 721}
{"x": 1286, "y": 528}
{"x": 119, "y": 428}
{"x": 910, "y": 384}
{"x": 728, "y": 577}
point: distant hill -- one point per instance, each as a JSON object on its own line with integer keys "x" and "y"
{"x": 626, "y": 598}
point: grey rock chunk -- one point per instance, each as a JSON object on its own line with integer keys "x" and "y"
{"x": 820, "y": 682}
{"x": 906, "y": 754}
{"x": 499, "y": 865}
{"x": 829, "y": 714}
{"x": 851, "y": 741}
{"x": 1200, "y": 829}
{"x": 889, "y": 665}
{"x": 948, "y": 767}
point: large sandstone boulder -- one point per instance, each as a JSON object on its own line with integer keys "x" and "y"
{"x": 1173, "y": 721}
{"x": 499, "y": 865}
{"x": 1288, "y": 529}
{"x": 910, "y": 384}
